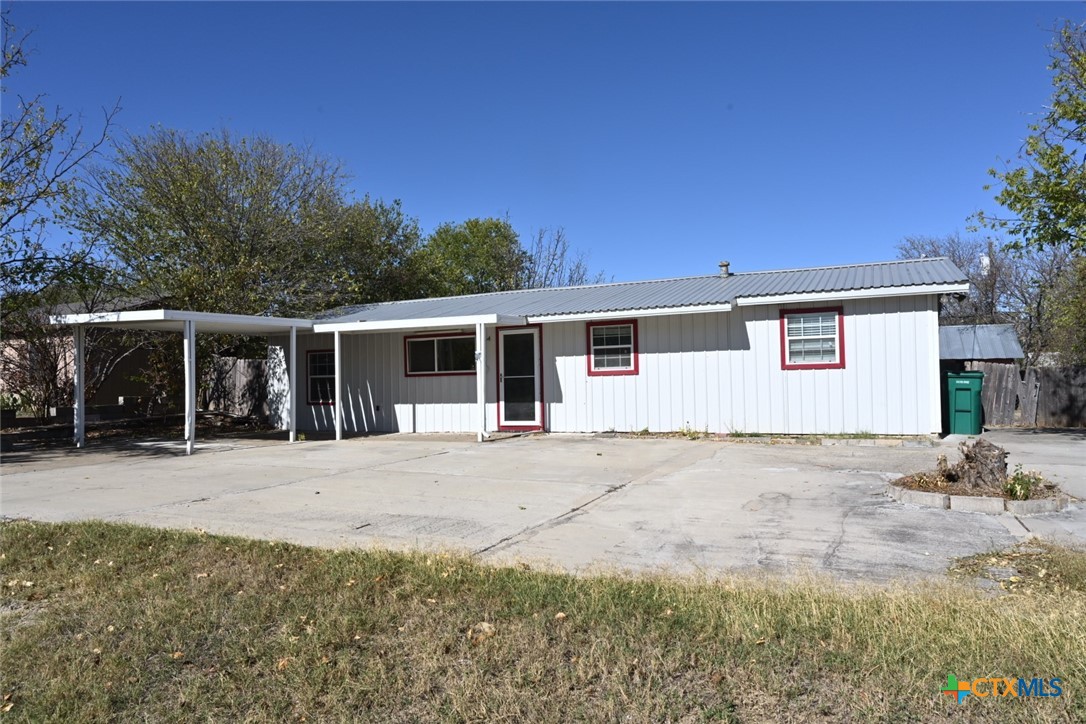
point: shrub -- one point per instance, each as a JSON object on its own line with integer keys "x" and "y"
{"x": 1021, "y": 483}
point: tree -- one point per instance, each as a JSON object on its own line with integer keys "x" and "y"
{"x": 1006, "y": 286}
{"x": 215, "y": 222}
{"x": 1068, "y": 336}
{"x": 1038, "y": 288}
{"x": 985, "y": 264}
{"x": 1046, "y": 195}
{"x": 40, "y": 153}
{"x": 486, "y": 255}
{"x": 551, "y": 263}
{"x": 472, "y": 257}
{"x": 372, "y": 257}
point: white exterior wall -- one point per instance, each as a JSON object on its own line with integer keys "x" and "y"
{"x": 719, "y": 372}
{"x": 381, "y": 398}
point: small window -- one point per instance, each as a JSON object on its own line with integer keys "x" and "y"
{"x": 812, "y": 339}
{"x": 440, "y": 355}
{"x": 612, "y": 348}
{"x": 321, "y": 377}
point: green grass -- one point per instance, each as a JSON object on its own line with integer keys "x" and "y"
{"x": 742, "y": 434}
{"x": 106, "y": 621}
{"x": 861, "y": 435}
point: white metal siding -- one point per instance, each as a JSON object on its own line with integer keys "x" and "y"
{"x": 379, "y": 397}
{"x": 719, "y": 372}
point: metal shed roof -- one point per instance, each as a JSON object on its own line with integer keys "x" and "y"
{"x": 979, "y": 341}
{"x": 931, "y": 275}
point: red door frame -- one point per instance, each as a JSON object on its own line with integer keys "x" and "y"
{"x": 497, "y": 379}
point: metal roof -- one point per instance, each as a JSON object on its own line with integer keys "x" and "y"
{"x": 979, "y": 341}
{"x": 662, "y": 293}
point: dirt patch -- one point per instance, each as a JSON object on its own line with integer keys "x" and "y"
{"x": 15, "y": 614}
{"x": 207, "y": 424}
{"x": 1032, "y": 567}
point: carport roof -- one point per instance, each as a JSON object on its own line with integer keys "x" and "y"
{"x": 173, "y": 320}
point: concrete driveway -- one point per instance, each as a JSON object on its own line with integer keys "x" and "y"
{"x": 578, "y": 502}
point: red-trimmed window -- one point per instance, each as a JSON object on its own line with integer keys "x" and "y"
{"x": 439, "y": 354}
{"x": 320, "y": 373}
{"x": 813, "y": 339}
{"x": 612, "y": 347}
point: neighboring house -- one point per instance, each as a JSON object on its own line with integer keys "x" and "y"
{"x": 49, "y": 359}
{"x": 960, "y": 345}
{"x": 843, "y": 349}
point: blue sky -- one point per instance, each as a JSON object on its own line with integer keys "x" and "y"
{"x": 662, "y": 137}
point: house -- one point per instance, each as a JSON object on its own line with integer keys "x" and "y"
{"x": 36, "y": 362}
{"x": 841, "y": 349}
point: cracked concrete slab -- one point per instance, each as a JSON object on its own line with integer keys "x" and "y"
{"x": 783, "y": 509}
{"x": 581, "y": 503}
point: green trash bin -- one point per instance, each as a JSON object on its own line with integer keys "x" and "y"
{"x": 963, "y": 401}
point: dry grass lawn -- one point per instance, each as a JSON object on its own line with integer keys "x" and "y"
{"x": 112, "y": 622}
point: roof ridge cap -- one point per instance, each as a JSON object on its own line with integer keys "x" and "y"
{"x": 536, "y": 289}
{"x": 844, "y": 266}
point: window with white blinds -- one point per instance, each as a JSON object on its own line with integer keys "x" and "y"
{"x": 812, "y": 338}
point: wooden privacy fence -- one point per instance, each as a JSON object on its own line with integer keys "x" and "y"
{"x": 1036, "y": 397}
{"x": 236, "y": 386}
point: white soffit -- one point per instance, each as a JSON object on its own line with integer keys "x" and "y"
{"x": 632, "y": 313}
{"x": 428, "y": 323}
{"x": 910, "y": 291}
{"x": 173, "y": 320}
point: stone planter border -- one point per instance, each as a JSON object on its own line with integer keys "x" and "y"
{"x": 977, "y": 503}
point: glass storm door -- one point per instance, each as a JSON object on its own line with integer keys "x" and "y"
{"x": 519, "y": 398}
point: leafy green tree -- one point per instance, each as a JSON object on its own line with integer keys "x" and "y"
{"x": 472, "y": 257}
{"x": 486, "y": 255}
{"x": 1046, "y": 194}
{"x": 1069, "y": 337}
{"x": 41, "y": 150}
{"x": 216, "y": 222}
{"x": 372, "y": 257}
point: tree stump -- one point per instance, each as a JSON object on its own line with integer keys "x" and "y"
{"x": 982, "y": 465}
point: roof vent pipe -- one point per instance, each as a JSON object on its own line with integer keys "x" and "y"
{"x": 724, "y": 269}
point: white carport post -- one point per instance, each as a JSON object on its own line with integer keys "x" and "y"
{"x": 79, "y": 402}
{"x": 190, "y": 385}
{"x": 338, "y": 410}
{"x": 480, "y": 377}
{"x": 292, "y": 383}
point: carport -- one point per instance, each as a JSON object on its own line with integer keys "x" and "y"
{"x": 185, "y": 322}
